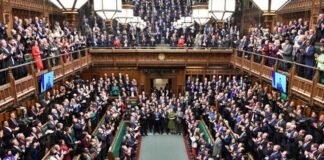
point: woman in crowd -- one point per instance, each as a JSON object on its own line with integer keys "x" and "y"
{"x": 171, "y": 121}
{"x": 37, "y": 56}
{"x": 320, "y": 62}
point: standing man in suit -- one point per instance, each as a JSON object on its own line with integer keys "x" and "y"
{"x": 217, "y": 148}
{"x": 319, "y": 28}
{"x": 11, "y": 47}
{"x": 3, "y": 58}
{"x": 70, "y": 139}
{"x": 309, "y": 59}
{"x": 312, "y": 37}
{"x": 3, "y": 31}
{"x": 286, "y": 54}
{"x": 275, "y": 155}
{"x": 300, "y": 55}
{"x": 8, "y": 133}
{"x": 13, "y": 124}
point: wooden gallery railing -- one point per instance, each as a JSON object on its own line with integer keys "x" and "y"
{"x": 15, "y": 90}
{"x": 310, "y": 90}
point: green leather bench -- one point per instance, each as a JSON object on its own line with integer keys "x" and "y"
{"x": 204, "y": 129}
{"x": 116, "y": 144}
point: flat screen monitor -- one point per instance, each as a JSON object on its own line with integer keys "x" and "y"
{"x": 279, "y": 82}
{"x": 47, "y": 81}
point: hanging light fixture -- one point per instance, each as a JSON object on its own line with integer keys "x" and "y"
{"x": 70, "y": 9}
{"x": 107, "y": 10}
{"x": 187, "y": 22}
{"x": 221, "y": 9}
{"x": 126, "y": 15}
{"x": 142, "y": 25}
{"x": 69, "y": 6}
{"x": 136, "y": 20}
{"x": 139, "y": 23}
{"x": 178, "y": 24}
{"x": 200, "y": 13}
{"x": 269, "y": 7}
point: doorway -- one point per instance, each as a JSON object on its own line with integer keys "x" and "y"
{"x": 161, "y": 83}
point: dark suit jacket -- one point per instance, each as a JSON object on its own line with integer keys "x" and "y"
{"x": 275, "y": 156}
{"x": 7, "y": 135}
{"x": 69, "y": 140}
{"x": 307, "y": 147}
{"x": 3, "y": 63}
{"x": 243, "y": 137}
{"x": 10, "y": 60}
{"x": 13, "y": 123}
{"x": 299, "y": 55}
{"x": 309, "y": 55}
{"x": 312, "y": 40}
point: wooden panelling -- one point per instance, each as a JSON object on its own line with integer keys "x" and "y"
{"x": 176, "y": 57}
{"x": 296, "y": 6}
{"x": 267, "y": 72}
{"x": 77, "y": 64}
{"x": 68, "y": 67}
{"x": 302, "y": 86}
{"x": 25, "y": 86}
{"x": 256, "y": 68}
{"x": 35, "y": 5}
{"x": 246, "y": 64}
{"x": 6, "y": 96}
{"x": 319, "y": 94}
{"x": 209, "y": 71}
{"x": 58, "y": 72}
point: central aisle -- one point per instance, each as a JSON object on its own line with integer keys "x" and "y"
{"x": 163, "y": 147}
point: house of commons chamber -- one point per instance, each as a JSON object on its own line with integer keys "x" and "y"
{"x": 161, "y": 79}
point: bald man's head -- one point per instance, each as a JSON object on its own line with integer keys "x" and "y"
{"x": 3, "y": 43}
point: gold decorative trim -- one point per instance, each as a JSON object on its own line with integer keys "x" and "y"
{"x": 70, "y": 12}
{"x": 269, "y": 14}
{"x": 161, "y": 56}
{"x": 200, "y": 6}
{"x": 128, "y": 6}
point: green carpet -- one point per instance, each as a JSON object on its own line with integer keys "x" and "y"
{"x": 163, "y": 147}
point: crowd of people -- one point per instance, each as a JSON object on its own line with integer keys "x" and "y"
{"x": 33, "y": 40}
{"x": 293, "y": 42}
{"x": 67, "y": 122}
{"x": 128, "y": 148}
{"x": 160, "y": 15}
{"x": 259, "y": 122}
{"x": 241, "y": 117}
{"x": 263, "y": 124}
{"x": 202, "y": 99}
